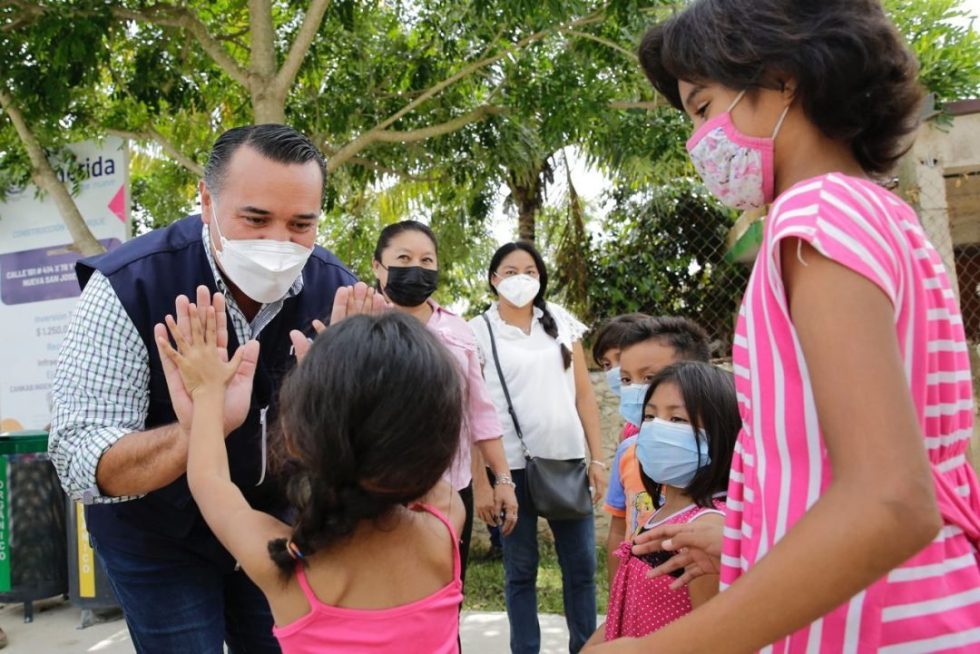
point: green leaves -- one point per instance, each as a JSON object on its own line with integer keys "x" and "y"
{"x": 663, "y": 254}
{"x": 944, "y": 37}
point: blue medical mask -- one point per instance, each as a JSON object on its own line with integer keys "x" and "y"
{"x": 631, "y": 402}
{"x": 669, "y": 453}
{"x": 615, "y": 381}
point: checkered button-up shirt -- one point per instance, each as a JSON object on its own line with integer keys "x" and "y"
{"x": 101, "y": 390}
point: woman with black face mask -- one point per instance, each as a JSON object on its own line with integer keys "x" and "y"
{"x": 406, "y": 266}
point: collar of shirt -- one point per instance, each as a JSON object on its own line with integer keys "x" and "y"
{"x": 507, "y": 328}
{"x": 243, "y": 329}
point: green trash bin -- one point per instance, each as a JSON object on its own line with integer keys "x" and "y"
{"x": 33, "y": 551}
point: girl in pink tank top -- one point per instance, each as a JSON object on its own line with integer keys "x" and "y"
{"x": 853, "y": 513}
{"x": 368, "y": 422}
{"x": 684, "y": 451}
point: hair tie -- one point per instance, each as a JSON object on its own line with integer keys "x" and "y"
{"x": 294, "y": 550}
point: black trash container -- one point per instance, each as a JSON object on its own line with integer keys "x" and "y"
{"x": 33, "y": 551}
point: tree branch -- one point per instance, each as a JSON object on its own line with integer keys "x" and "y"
{"x": 346, "y": 153}
{"x": 46, "y": 179}
{"x": 151, "y": 134}
{"x": 28, "y": 13}
{"x": 183, "y": 18}
{"x": 483, "y": 63}
{"x": 649, "y": 106}
{"x": 371, "y": 136}
{"x": 423, "y": 133}
{"x": 301, "y": 45}
{"x": 604, "y": 41}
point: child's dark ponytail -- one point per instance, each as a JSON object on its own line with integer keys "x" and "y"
{"x": 351, "y": 415}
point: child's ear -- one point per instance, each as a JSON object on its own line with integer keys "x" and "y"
{"x": 788, "y": 88}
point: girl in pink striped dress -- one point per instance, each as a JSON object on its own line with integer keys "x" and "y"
{"x": 684, "y": 450}
{"x": 853, "y": 520}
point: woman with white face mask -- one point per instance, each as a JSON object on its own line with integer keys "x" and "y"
{"x": 537, "y": 376}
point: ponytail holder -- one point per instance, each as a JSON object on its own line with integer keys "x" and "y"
{"x": 294, "y": 550}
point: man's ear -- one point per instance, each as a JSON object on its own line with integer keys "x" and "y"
{"x": 206, "y": 206}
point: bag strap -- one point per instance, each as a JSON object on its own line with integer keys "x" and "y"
{"x": 503, "y": 384}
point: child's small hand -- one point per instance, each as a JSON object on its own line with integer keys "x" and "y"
{"x": 201, "y": 362}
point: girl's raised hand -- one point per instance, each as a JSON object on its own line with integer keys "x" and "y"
{"x": 202, "y": 362}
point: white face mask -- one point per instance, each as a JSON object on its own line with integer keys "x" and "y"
{"x": 263, "y": 269}
{"x": 519, "y": 290}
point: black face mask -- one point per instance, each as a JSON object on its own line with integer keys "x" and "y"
{"x": 410, "y": 286}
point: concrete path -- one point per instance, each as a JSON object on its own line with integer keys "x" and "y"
{"x": 55, "y": 629}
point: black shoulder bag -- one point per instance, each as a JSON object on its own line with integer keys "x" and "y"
{"x": 558, "y": 488}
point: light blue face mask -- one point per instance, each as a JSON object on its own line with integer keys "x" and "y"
{"x": 631, "y": 402}
{"x": 669, "y": 453}
{"x": 615, "y": 381}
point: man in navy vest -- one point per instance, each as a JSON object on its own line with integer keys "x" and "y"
{"x": 118, "y": 436}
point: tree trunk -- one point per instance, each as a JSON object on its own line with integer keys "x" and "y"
{"x": 528, "y": 198}
{"x": 267, "y": 106}
{"x": 46, "y": 179}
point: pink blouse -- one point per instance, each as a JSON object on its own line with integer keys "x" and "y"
{"x": 480, "y": 422}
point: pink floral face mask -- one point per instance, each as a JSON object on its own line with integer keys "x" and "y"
{"x": 736, "y": 168}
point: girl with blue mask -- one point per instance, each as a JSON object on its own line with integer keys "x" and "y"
{"x": 690, "y": 422}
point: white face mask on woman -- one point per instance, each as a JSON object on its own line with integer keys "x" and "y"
{"x": 519, "y": 290}
{"x": 262, "y": 268}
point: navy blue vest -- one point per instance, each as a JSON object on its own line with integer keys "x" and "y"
{"x": 148, "y": 273}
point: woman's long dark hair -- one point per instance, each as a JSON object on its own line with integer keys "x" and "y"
{"x": 709, "y": 398}
{"x": 371, "y": 420}
{"x": 546, "y": 319}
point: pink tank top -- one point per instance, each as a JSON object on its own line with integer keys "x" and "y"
{"x": 429, "y": 625}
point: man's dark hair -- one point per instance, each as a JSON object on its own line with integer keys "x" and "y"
{"x": 276, "y": 142}
{"x": 611, "y": 333}
{"x": 687, "y": 338}
{"x": 856, "y": 79}
{"x": 354, "y": 412}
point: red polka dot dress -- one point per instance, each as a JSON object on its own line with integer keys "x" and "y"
{"x": 638, "y": 606}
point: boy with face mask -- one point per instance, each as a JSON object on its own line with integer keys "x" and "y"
{"x": 646, "y": 347}
{"x": 119, "y": 437}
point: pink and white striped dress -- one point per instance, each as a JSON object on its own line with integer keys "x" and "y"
{"x": 780, "y": 468}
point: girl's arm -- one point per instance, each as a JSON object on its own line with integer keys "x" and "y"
{"x": 882, "y": 489}
{"x": 244, "y": 532}
{"x": 588, "y": 413}
{"x": 706, "y": 586}
{"x": 598, "y": 637}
